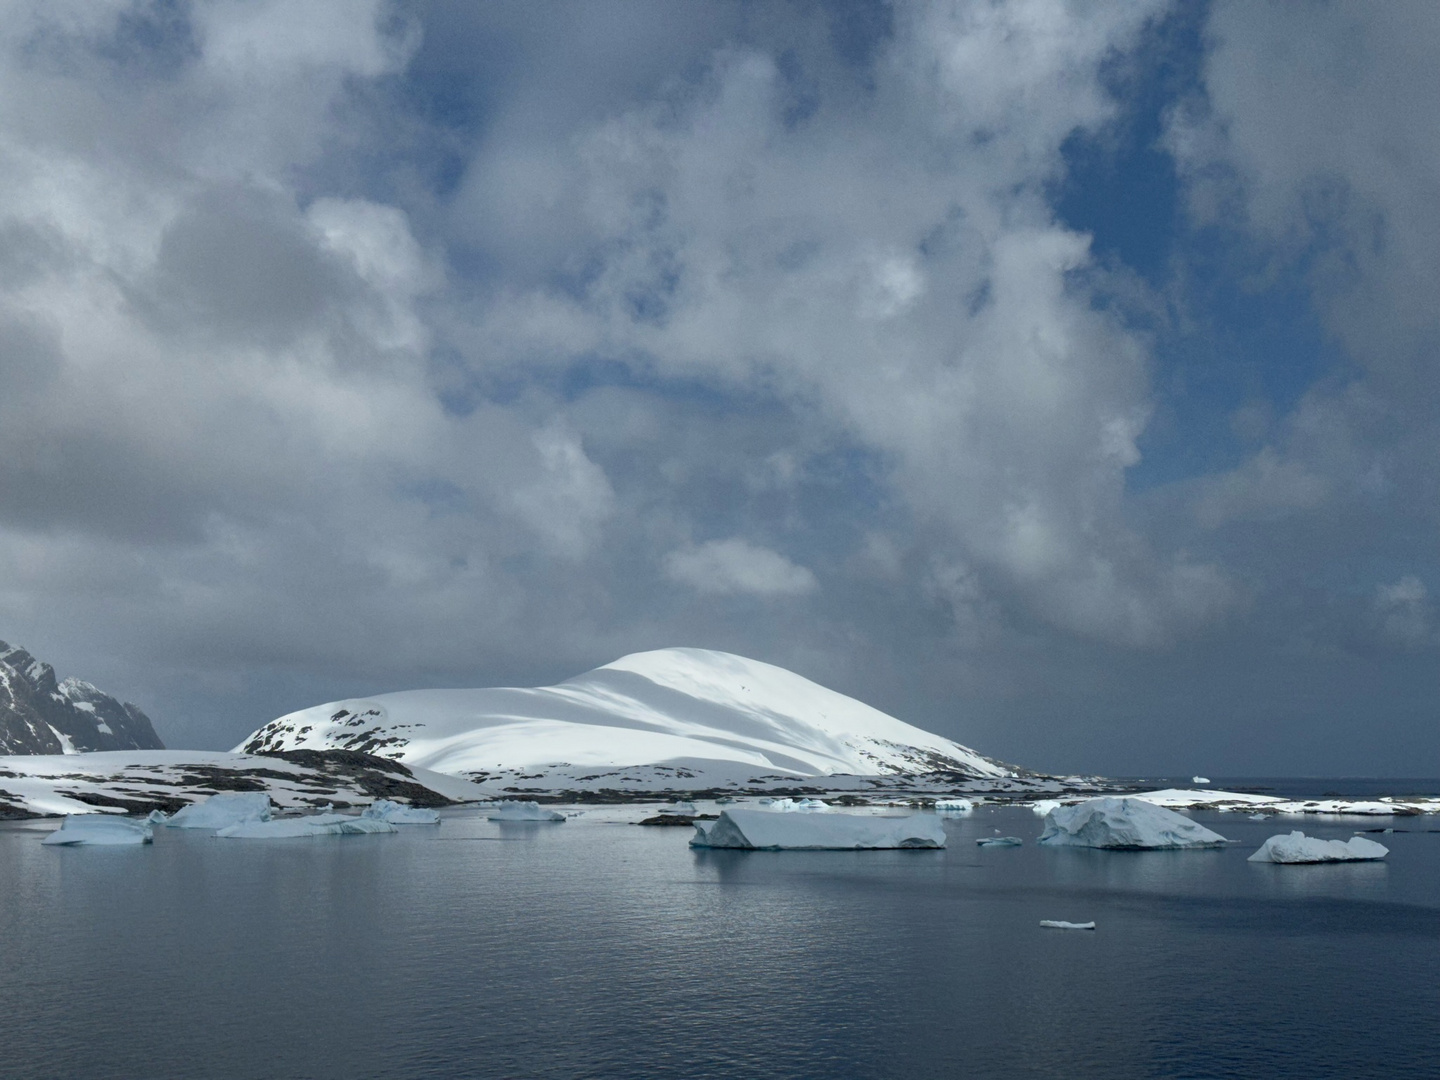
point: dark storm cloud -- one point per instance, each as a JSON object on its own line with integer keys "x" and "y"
{"x": 353, "y": 346}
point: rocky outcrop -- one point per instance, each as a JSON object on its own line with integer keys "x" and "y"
{"x": 40, "y": 715}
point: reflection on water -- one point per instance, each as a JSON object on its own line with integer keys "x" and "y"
{"x": 607, "y": 950}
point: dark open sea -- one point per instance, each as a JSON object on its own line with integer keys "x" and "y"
{"x": 595, "y": 949}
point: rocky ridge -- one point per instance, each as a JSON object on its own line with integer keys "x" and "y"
{"x": 42, "y": 715}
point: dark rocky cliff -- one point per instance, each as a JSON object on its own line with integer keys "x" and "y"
{"x": 39, "y": 715}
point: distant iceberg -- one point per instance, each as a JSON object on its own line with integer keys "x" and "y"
{"x": 795, "y": 806}
{"x": 1000, "y": 841}
{"x": 1125, "y": 824}
{"x": 515, "y": 810}
{"x": 1299, "y": 848}
{"x": 1199, "y": 779}
{"x": 399, "y": 814}
{"x": 953, "y": 806}
{"x": 1061, "y": 924}
{"x": 763, "y": 830}
{"x": 222, "y": 810}
{"x": 314, "y": 825}
{"x": 100, "y": 829}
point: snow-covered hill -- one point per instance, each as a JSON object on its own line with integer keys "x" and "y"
{"x": 687, "y": 712}
{"x": 39, "y": 715}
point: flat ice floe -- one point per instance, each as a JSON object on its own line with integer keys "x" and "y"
{"x": 398, "y": 814}
{"x": 314, "y": 825}
{"x": 514, "y": 810}
{"x": 1000, "y": 841}
{"x": 1299, "y": 848}
{"x": 1126, "y": 823}
{"x": 763, "y": 830}
{"x": 99, "y": 829}
{"x": 220, "y": 811}
{"x": 1061, "y": 924}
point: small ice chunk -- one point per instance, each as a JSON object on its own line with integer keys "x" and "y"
{"x": 399, "y": 814}
{"x": 953, "y": 806}
{"x": 1258, "y": 817}
{"x": 766, "y": 830}
{"x": 680, "y": 806}
{"x": 157, "y": 817}
{"x": 516, "y": 810}
{"x": 1061, "y": 924}
{"x": 1041, "y": 807}
{"x": 314, "y": 825}
{"x": 100, "y": 829}
{"x": 222, "y": 810}
{"x": 1299, "y": 848}
{"x": 1125, "y": 824}
{"x": 1000, "y": 841}
{"x": 1199, "y": 779}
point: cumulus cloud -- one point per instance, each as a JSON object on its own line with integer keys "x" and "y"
{"x": 738, "y": 566}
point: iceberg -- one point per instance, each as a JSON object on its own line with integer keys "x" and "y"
{"x": 764, "y": 830}
{"x": 222, "y": 810}
{"x": 314, "y": 825}
{"x": 1126, "y": 824}
{"x": 100, "y": 829}
{"x": 953, "y": 806}
{"x": 1199, "y": 779}
{"x": 1000, "y": 841}
{"x": 1061, "y": 924}
{"x": 1042, "y": 807}
{"x": 1299, "y": 848}
{"x": 399, "y": 814}
{"x": 514, "y": 810}
{"x": 795, "y": 806}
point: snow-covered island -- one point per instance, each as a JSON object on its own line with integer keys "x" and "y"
{"x": 668, "y": 721}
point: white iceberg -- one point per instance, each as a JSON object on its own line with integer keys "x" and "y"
{"x": 399, "y": 814}
{"x": 953, "y": 806}
{"x": 314, "y": 825}
{"x": 1199, "y": 779}
{"x": 515, "y": 810}
{"x": 763, "y": 830}
{"x": 1061, "y": 924}
{"x": 100, "y": 829}
{"x": 795, "y": 806}
{"x": 1299, "y": 848}
{"x": 222, "y": 810}
{"x": 1126, "y": 824}
{"x": 1000, "y": 841}
{"x": 1041, "y": 807}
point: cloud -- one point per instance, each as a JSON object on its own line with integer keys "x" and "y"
{"x": 728, "y": 567}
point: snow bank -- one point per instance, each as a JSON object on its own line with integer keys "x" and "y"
{"x": 100, "y": 829}
{"x": 398, "y": 814}
{"x": 315, "y": 825}
{"x": 1299, "y": 848}
{"x": 513, "y": 810}
{"x": 762, "y": 830}
{"x": 1124, "y": 823}
{"x": 222, "y": 810}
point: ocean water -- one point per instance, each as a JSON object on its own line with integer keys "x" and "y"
{"x": 603, "y": 949}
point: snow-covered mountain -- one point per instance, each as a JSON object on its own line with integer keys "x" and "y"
{"x": 39, "y": 715}
{"x": 687, "y": 711}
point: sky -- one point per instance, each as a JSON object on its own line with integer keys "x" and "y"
{"x": 1057, "y": 376}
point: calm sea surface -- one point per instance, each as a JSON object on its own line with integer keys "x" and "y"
{"x": 601, "y": 949}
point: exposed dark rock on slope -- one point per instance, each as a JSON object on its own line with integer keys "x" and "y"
{"x": 39, "y": 715}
